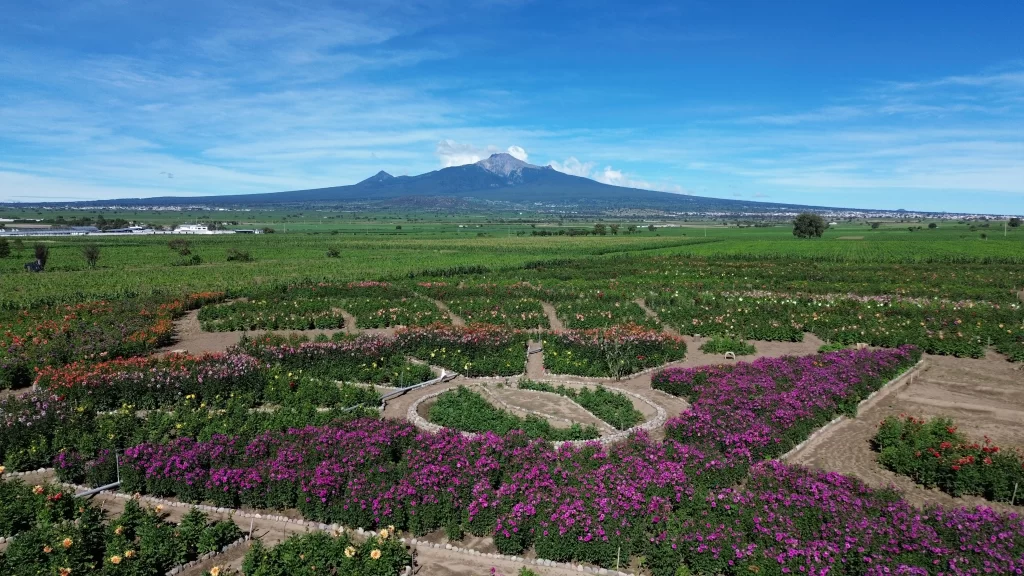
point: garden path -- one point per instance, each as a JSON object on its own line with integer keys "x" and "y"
{"x": 552, "y": 314}
{"x": 654, "y": 316}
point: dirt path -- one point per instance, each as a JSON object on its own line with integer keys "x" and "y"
{"x": 654, "y": 316}
{"x": 535, "y": 361}
{"x": 982, "y": 396}
{"x": 553, "y": 320}
{"x": 1020, "y": 295}
{"x": 455, "y": 318}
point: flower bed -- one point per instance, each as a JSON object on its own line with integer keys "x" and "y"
{"x": 23, "y": 506}
{"x": 476, "y": 350}
{"x": 367, "y": 359}
{"x": 612, "y": 407}
{"x": 962, "y": 329}
{"x": 522, "y": 313}
{"x": 598, "y": 311}
{"x": 610, "y": 352}
{"x": 59, "y": 335}
{"x": 933, "y": 453}
{"x": 154, "y": 382}
{"x": 306, "y": 313}
{"x": 761, "y": 409}
{"x": 467, "y": 411}
{"x": 789, "y": 520}
{"x": 321, "y": 553}
{"x": 139, "y": 542}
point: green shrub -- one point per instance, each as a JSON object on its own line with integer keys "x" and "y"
{"x": 465, "y": 410}
{"x": 723, "y": 344}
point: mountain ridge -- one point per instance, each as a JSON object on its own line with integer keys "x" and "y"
{"x": 500, "y": 179}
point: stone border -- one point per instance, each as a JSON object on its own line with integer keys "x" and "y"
{"x": 26, "y": 473}
{"x": 889, "y": 387}
{"x": 658, "y": 421}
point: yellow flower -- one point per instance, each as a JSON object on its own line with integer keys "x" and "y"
{"x": 37, "y": 489}
{"x": 129, "y": 553}
{"x": 384, "y": 534}
{"x": 375, "y": 554}
{"x": 215, "y": 571}
{"x": 350, "y": 552}
{"x": 2, "y": 469}
{"x": 159, "y": 508}
{"x": 391, "y": 528}
{"x": 67, "y": 542}
{"x": 115, "y": 559}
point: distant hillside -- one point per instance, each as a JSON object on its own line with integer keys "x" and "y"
{"x": 500, "y": 179}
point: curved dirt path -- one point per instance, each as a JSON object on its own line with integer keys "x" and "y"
{"x": 654, "y": 316}
{"x": 553, "y": 320}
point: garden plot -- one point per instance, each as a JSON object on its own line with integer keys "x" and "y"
{"x": 983, "y": 397}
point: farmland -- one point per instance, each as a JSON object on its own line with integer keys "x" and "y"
{"x": 581, "y": 401}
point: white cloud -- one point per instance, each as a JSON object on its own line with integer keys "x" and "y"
{"x": 574, "y": 167}
{"x": 518, "y": 153}
{"x": 452, "y": 153}
{"x": 609, "y": 175}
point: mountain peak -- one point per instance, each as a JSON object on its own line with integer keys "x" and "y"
{"x": 381, "y": 176}
{"x": 503, "y": 164}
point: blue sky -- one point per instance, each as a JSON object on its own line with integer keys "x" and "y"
{"x": 916, "y": 105}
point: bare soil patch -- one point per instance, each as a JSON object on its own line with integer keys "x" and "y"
{"x": 654, "y": 316}
{"x": 983, "y": 396}
{"x": 455, "y": 318}
{"x": 565, "y": 411}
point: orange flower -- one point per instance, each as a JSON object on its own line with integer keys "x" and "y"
{"x": 65, "y": 572}
{"x": 129, "y": 553}
{"x": 37, "y": 489}
{"x": 47, "y": 549}
{"x": 67, "y": 542}
{"x": 115, "y": 559}
{"x": 375, "y": 554}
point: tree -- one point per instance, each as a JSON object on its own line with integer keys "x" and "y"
{"x": 875, "y": 225}
{"x": 91, "y": 253}
{"x": 932, "y": 226}
{"x": 650, "y": 227}
{"x": 42, "y": 254}
{"x": 631, "y": 229}
{"x": 615, "y": 229}
{"x": 600, "y": 229}
{"x": 5, "y": 248}
{"x": 808, "y": 225}
{"x": 1014, "y": 222}
{"x": 181, "y": 246}
{"x": 19, "y": 246}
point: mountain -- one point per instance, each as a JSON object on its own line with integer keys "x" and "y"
{"x": 500, "y": 180}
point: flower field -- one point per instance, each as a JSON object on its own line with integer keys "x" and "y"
{"x": 612, "y": 352}
{"x": 294, "y": 424}
{"x": 139, "y": 541}
{"x": 90, "y": 331}
{"x": 379, "y": 555}
{"x": 933, "y": 453}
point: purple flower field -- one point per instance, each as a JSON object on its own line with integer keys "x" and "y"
{"x": 705, "y": 497}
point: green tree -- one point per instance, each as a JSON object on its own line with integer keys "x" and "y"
{"x": 808, "y": 225}
{"x": 932, "y": 226}
{"x": 42, "y": 254}
{"x": 1014, "y": 222}
{"x": 600, "y": 229}
{"x": 91, "y": 253}
{"x": 615, "y": 229}
{"x": 650, "y": 227}
{"x": 5, "y": 248}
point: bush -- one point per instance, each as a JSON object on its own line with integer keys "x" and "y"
{"x": 934, "y": 454}
{"x": 235, "y": 255}
{"x": 42, "y": 252}
{"x": 91, "y": 253}
{"x": 723, "y": 344}
{"x": 320, "y": 553}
